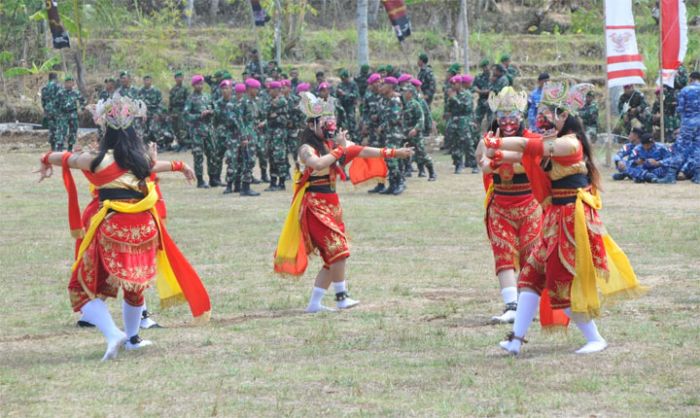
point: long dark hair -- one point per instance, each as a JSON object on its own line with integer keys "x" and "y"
{"x": 494, "y": 127}
{"x": 308, "y": 137}
{"x": 129, "y": 152}
{"x": 573, "y": 125}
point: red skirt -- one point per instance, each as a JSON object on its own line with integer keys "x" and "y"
{"x": 513, "y": 224}
{"x": 552, "y": 263}
{"x": 323, "y": 228}
{"x": 122, "y": 255}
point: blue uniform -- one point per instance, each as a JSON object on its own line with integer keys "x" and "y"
{"x": 685, "y": 155}
{"x": 533, "y": 100}
{"x": 624, "y": 155}
{"x": 646, "y": 171}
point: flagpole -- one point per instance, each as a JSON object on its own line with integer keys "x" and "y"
{"x": 608, "y": 110}
{"x": 661, "y": 71}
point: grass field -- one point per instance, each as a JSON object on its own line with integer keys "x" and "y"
{"x": 419, "y": 345}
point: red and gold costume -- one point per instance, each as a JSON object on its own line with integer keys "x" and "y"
{"x": 123, "y": 243}
{"x": 513, "y": 215}
{"x": 574, "y": 257}
{"x": 314, "y": 223}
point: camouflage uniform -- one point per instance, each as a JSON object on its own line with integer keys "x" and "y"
{"x": 636, "y": 112}
{"x": 483, "y": 82}
{"x": 361, "y": 82}
{"x": 348, "y": 102}
{"x": 589, "y": 116}
{"x": 49, "y": 96}
{"x": 414, "y": 118}
{"x": 200, "y": 134}
{"x": 251, "y": 115}
{"x": 276, "y": 138}
{"x": 160, "y": 131}
{"x": 512, "y": 73}
{"x": 371, "y": 118}
{"x": 461, "y": 109}
{"x": 68, "y": 104}
{"x": 295, "y": 124}
{"x": 239, "y": 165}
{"x": 152, "y": 97}
{"x": 176, "y": 108}
{"x": 671, "y": 121}
{"x": 426, "y": 76}
{"x": 391, "y": 124}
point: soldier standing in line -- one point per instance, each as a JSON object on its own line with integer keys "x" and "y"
{"x": 49, "y": 94}
{"x": 296, "y": 118}
{"x": 453, "y": 133}
{"x": 427, "y": 78}
{"x": 482, "y": 86}
{"x": 251, "y": 115}
{"x": 127, "y": 90}
{"x": 589, "y": 116}
{"x": 414, "y": 118}
{"x": 511, "y": 71}
{"x": 452, "y": 71}
{"x": 361, "y": 80}
{"x": 252, "y": 67}
{"x": 152, "y": 98}
{"x": 69, "y": 103}
{"x": 371, "y": 118}
{"x": 348, "y": 94}
{"x": 468, "y": 127}
{"x": 276, "y": 136}
{"x": 391, "y": 128}
{"x": 427, "y": 130}
{"x": 176, "y": 108}
{"x": 198, "y": 114}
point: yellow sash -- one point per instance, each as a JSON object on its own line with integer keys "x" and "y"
{"x": 621, "y": 280}
{"x": 169, "y": 290}
{"x": 489, "y": 195}
{"x": 291, "y": 237}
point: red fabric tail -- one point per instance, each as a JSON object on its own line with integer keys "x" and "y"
{"x": 107, "y": 175}
{"x": 160, "y": 205}
{"x": 74, "y": 220}
{"x": 551, "y": 317}
{"x": 532, "y": 160}
{"x": 188, "y": 279}
{"x": 364, "y": 169}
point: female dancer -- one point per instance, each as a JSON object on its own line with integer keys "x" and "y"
{"x": 126, "y": 245}
{"x": 315, "y": 219}
{"x": 513, "y": 216}
{"x": 574, "y": 257}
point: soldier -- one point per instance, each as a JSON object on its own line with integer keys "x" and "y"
{"x": 427, "y": 78}
{"x": 361, "y": 80}
{"x": 469, "y": 130}
{"x": 68, "y": 104}
{"x": 108, "y": 90}
{"x": 511, "y": 72}
{"x": 427, "y": 127}
{"x": 589, "y": 116}
{"x": 294, "y": 78}
{"x": 296, "y": 118}
{"x": 681, "y": 79}
{"x": 623, "y": 159}
{"x": 632, "y": 107}
{"x": 276, "y": 137}
{"x": 348, "y": 94}
{"x": 647, "y": 160}
{"x": 160, "y": 130}
{"x": 499, "y": 79}
{"x": 533, "y": 101}
{"x": 671, "y": 122}
{"x": 391, "y": 129}
{"x": 455, "y": 132}
{"x": 198, "y": 114}
{"x": 371, "y": 118}
{"x": 152, "y": 97}
{"x": 452, "y": 71}
{"x": 125, "y": 89}
{"x": 252, "y": 67}
{"x": 49, "y": 94}
{"x": 414, "y": 124}
{"x": 252, "y": 121}
{"x": 482, "y": 87}
{"x": 213, "y": 83}
{"x": 176, "y": 108}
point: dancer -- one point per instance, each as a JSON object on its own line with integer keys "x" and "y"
{"x": 126, "y": 245}
{"x": 315, "y": 218}
{"x": 513, "y": 216}
{"x": 574, "y": 257}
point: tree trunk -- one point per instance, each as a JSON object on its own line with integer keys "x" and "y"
{"x": 464, "y": 33}
{"x": 362, "y": 41}
{"x": 278, "y": 32}
{"x": 189, "y": 12}
{"x": 213, "y": 10}
{"x": 374, "y": 11}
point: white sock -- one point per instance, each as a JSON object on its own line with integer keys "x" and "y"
{"x": 589, "y": 331}
{"x": 132, "y": 318}
{"x": 509, "y": 294}
{"x": 99, "y": 315}
{"x": 340, "y": 286}
{"x": 316, "y": 296}
{"x": 528, "y": 303}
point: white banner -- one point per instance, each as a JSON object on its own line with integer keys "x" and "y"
{"x": 625, "y": 64}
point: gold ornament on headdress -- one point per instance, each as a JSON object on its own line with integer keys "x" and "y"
{"x": 117, "y": 112}
{"x": 564, "y": 96}
{"x": 508, "y": 100}
{"x": 314, "y": 107}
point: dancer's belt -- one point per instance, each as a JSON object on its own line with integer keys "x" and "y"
{"x": 518, "y": 185}
{"x": 321, "y": 184}
{"x": 119, "y": 194}
{"x": 565, "y": 190}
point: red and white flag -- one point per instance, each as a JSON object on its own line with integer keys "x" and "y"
{"x": 674, "y": 38}
{"x": 625, "y": 64}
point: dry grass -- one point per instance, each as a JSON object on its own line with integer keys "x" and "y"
{"x": 419, "y": 345}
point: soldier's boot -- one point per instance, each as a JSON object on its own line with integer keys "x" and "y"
{"x": 201, "y": 184}
{"x": 237, "y": 186}
{"x": 256, "y": 181}
{"x": 246, "y": 191}
{"x": 229, "y": 188}
{"x": 431, "y": 172}
{"x": 619, "y": 176}
{"x": 273, "y": 185}
{"x": 669, "y": 178}
{"x": 281, "y": 185}
{"x": 475, "y": 169}
{"x": 378, "y": 188}
{"x": 392, "y": 186}
{"x": 400, "y": 186}
{"x": 214, "y": 182}
{"x": 263, "y": 177}
{"x": 458, "y": 168}
{"x": 421, "y": 170}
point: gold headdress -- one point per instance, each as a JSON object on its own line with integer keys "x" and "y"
{"x": 563, "y": 96}
{"x": 313, "y": 107}
{"x": 118, "y": 112}
{"x": 508, "y": 100}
